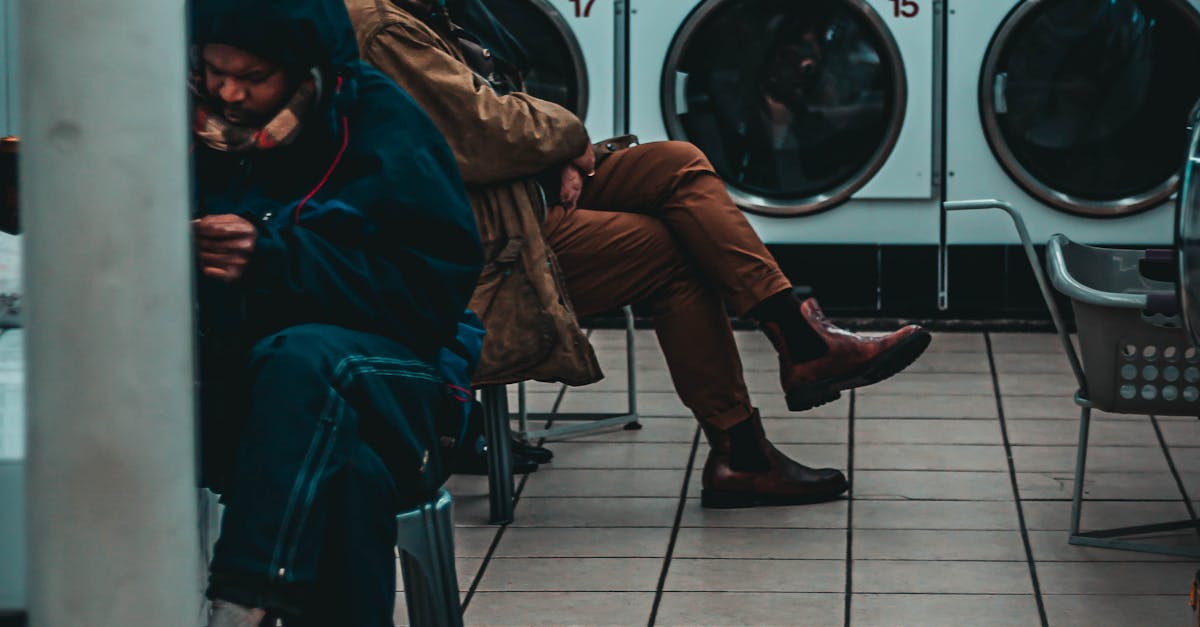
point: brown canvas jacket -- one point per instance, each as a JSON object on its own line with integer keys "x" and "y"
{"x": 500, "y": 142}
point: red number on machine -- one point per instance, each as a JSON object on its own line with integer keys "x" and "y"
{"x": 900, "y": 8}
{"x": 582, "y": 9}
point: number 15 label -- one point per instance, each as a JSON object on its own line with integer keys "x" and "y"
{"x": 900, "y": 8}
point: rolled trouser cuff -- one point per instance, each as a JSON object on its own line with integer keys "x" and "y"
{"x": 729, "y": 417}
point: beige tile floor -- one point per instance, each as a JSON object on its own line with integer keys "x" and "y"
{"x": 934, "y": 533}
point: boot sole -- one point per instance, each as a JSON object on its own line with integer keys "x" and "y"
{"x": 718, "y": 499}
{"x": 888, "y": 364}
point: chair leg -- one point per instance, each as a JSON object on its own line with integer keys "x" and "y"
{"x": 430, "y": 601}
{"x": 499, "y": 454}
{"x": 1085, "y": 419}
{"x": 1119, "y": 538}
{"x": 426, "y": 543}
{"x": 631, "y": 369}
{"x": 522, "y": 409}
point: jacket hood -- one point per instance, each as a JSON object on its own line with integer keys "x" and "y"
{"x": 300, "y": 34}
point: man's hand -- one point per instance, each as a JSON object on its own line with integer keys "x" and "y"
{"x": 572, "y": 177}
{"x": 224, "y": 244}
{"x": 571, "y": 188}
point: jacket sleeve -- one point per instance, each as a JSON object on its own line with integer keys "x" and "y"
{"x": 394, "y": 251}
{"x": 494, "y": 137}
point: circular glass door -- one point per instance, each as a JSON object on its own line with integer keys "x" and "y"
{"x": 557, "y": 71}
{"x": 1085, "y": 102}
{"x": 1187, "y": 235}
{"x": 797, "y": 104}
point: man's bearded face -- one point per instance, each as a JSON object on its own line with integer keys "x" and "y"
{"x": 248, "y": 89}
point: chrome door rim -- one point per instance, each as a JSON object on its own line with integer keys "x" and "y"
{"x": 1186, "y": 193}
{"x": 1042, "y": 191}
{"x": 818, "y": 202}
{"x": 577, "y": 60}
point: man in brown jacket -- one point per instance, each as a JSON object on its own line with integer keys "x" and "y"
{"x": 651, "y": 224}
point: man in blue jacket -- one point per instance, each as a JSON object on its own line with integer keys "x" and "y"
{"x": 337, "y": 251}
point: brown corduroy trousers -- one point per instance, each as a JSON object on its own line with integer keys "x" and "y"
{"x": 656, "y": 226}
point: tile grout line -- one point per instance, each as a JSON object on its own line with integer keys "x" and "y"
{"x": 1187, "y": 499}
{"x": 1016, "y": 489}
{"x": 849, "y": 513}
{"x": 683, "y": 493}
{"x": 491, "y": 552}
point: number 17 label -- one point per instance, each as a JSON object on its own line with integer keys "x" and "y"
{"x": 583, "y": 8}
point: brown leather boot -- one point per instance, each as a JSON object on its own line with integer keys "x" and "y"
{"x": 852, "y": 360}
{"x": 782, "y": 482}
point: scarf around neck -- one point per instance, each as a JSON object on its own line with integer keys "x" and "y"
{"x": 218, "y": 133}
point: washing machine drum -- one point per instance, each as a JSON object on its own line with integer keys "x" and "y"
{"x": 555, "y": 66}
{"x": 1085, "y": 102}
{"x": 797, "y": 104}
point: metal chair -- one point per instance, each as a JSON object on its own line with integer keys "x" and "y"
{"x": 1136, "y": 358}
{"x": 497, "y": 431}
{"x": 588, "y": 422}
{"x": 425, "y": 540}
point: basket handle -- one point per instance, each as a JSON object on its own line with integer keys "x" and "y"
{"x": 1160, "y": 255}
{"x": 1163, "y": 303}
{"x": 1038, "y": 273}
{"x": 1073, "y": 288}
{"x": 1159, "y": 264}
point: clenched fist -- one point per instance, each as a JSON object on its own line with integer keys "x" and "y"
{"x": 224, "y": 244}
{"x": 572, "y": 187}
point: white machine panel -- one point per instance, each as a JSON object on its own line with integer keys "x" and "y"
{"x": 908, "y": 172}
{"x": 571, "y": 48}
{"x": 594, "y": 25}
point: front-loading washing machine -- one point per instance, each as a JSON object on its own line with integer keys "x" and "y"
{"x": 1073, "y": 111}
{"x": 819, "y": 115}
{"x": 572, "y": 53}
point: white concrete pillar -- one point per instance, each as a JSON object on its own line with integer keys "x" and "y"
{"x": 105, "y": 198}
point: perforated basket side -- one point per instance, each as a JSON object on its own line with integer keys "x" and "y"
{"x": 1135, "y": 367}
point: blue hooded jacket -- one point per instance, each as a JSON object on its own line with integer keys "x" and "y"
{"x": 384, "y": 240}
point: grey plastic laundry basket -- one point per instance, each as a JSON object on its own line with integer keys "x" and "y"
{"x": 1136, "y": 357}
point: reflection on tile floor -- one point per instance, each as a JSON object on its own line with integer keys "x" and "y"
{"x": 612, "y": 532}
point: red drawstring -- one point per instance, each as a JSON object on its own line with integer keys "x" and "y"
{"x": 462, "y": 395}
{"x": 333, "y": 166}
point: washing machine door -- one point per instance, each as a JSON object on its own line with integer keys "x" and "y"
{"x": 797, "y": 104}
{"x": 1083, "y": 101}
{"x": 557, "y": 71}
{"x": 1187, "y": 235}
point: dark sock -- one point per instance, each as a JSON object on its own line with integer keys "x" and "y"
{"x": 745, "y": 453}
{"x": 783, "y": 309}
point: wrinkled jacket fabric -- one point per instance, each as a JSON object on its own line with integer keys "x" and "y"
{"x": 500, "y": 142}
{"x": 383, "y": 241}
